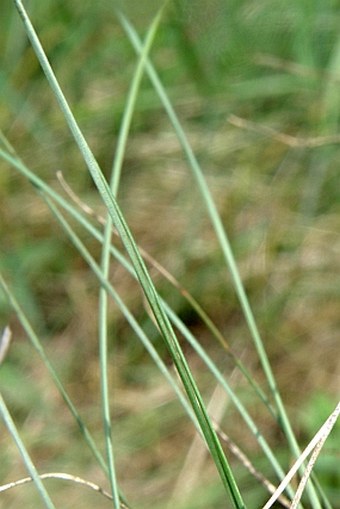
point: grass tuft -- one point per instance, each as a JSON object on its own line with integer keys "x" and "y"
{"x": 134, "y": 171}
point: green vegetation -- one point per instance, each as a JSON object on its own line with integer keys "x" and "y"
{"x": 169, "y": 241}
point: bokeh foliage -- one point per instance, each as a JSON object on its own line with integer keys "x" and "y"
{"x": 273, "y": 64}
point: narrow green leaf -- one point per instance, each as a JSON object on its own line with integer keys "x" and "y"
{"x": 226, "y": 249}
{"x": 7, "y": 418}
{"x": 141, "y": 272}
{"x": 49, "y": 192}
{"x": 105, "y": 258}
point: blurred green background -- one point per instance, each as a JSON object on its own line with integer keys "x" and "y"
{"x": 275, "y": 177}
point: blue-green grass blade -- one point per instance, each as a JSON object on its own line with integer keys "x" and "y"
{"x": 7, "y": 418}
{"x": 44, "y": 188}
{"x": 105, "y": 258}
{"x": 35, "y": 341}
{"x": 47, "y": 191}
{"x": 182, "y": 328}
{"x": 227, "y": 251}
{"x": 146, "y": 283}
{"x": 103, "y": 280}
{"x": 14, "y": 160}
{"x": 97, "y": 271}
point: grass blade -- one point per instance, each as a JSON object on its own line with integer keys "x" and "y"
{"x": 105, "y": 258}
{"x": 146, "y": 283}
{"x": 96, "y": 270}
{"x": 40, "y": 350}
{"x": 49, "y": 192}
{"x": 226, "y": 249}
{"x": 314, "y": 445}
{"x": 24, "y": 454}
{"x": 186, "y": 333}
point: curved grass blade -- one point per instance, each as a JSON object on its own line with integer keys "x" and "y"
{"x": 62, "y": 476}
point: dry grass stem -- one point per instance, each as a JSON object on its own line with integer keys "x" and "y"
{"x": 323, "y": 434}
{"x": 190, "y": 475}
{"x": 293, "y": 68}
{"x": 286, "y": 139}
{"x": 5, "y": 341}
{"x": 314, "y": 445}
{"x": 242, "y": 457}
{"x": 64, "y": 477}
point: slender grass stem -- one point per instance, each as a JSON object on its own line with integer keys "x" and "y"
{"x": 47, "y": 191}
{"x": 105, "y": 258}
{"x": 226, "y": 249}
{"x": 146, "y": 283}
{"x": 97, "y": 271}
{"x": 7, "y": 418}
{"x": 52, "y": 372}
